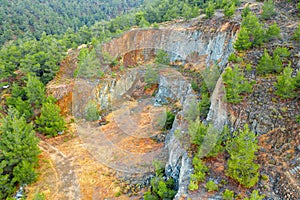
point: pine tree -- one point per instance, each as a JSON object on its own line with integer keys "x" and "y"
{"x": 18, "y": 153}
{"x": 229, "y": 10}
{"x": 268, "y": 9}
{"x": 35, "y": 91}
{"x": 144, "y": 23}
{"x": 243, "y": 40}
{"x": 286, "y": 84}
{"x": 50, "y": 122}
{"x": 210, "y": 9}
{"x": 265, "y": 64}
{"x": 235, "y": 84}
{"x": 254, "y": 28}
{"x": 241, "y": 164}
{"x": 273, "y": 32}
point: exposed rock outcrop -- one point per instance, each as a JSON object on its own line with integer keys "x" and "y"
{"x": 195, "y": 44}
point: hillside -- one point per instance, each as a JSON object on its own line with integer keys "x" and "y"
{"x": 30, "y": 18}
{"x": 195, "y": 101}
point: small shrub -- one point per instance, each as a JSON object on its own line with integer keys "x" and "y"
{"x": 195, "y": 86}
{"x": 91, "y": 112}
{"x": 117, "y": 194}
{"x": 170, "y": 117}
{"x": 255, "y": 196}
{"x": 282, "y": 52}
{"x": 296, "y": 35}
{"x": 151, "y": 75}
{"x": 211, "y": 186}
{"x": 39, "y": 196}
{"x": 204, "y": 105}
{"x": 232, "y": 57}
{"x": 228, "y": 195}
{"x": 200, "y": 171}
{"x": 149, "y": 196}
{"x": 197, "y": 131}
{"x": 162, "y": 57}
{"x": 246, "y": 11}
{"x": 298, "y": 119}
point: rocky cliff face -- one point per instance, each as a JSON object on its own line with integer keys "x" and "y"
{"x": 198, "y": 45}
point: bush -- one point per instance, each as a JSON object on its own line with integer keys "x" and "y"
{"x": 228, "y": 195}
{"x": 197, "y": 131}
{"x": 246, "y": 11}
{"x": 91, "y": 112}
{"x": 282, "y": 52}
{"x": 255, "y": 196}
{"x": 200, "y": 170}
{"x": 162, "y": 57}
{"x": 161, "y": 188}
{"x": 169, "y": 120}
{"x": 297, "y": 33}
{"x": 211, "y": 186}
{"x": 297, "y": 80}
{"x": 204, "y": 105}
{"x": 268, "y": 9}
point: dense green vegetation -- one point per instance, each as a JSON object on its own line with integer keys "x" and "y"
{"x": 161, "y": 187}
{"x": 30, "y": 18}
{"x": 18, "y": 155}
{"x": 35, "y": 36}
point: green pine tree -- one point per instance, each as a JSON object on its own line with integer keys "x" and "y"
{"x": 265, "y": 64}
{"x": 273, "y": 32}
{"x": 243, "y": 40}
{"x": 210, "y": 9}
{"x": 229, "y": 10}
{"x": 18, "y": 153}
{"x": 235, "y": 84}
{"x": 35, "y": 91}
{"x": 255, "y": 196}
{"x": 50, "y": 122}
{"x": 241, "y": 164}
{"x": 286, "y": 84}
{"x": 268, "y": 9}
{"x": 255, "y": 29}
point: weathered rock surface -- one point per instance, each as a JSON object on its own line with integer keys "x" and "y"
{"x": 198, "y": 45}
